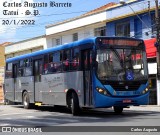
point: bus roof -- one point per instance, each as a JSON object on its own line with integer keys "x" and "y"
{"x": 62, "y": 47}
{"x": 49, "y": 50}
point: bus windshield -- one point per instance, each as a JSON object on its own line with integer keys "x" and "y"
{"x": 121, "y": 64}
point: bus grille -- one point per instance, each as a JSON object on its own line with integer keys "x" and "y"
{"x": 125, "y": 87}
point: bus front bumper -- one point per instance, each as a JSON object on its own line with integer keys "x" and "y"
{"x": 109, "y": 101}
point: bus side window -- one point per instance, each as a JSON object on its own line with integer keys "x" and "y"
{"x": 26, "y": 63}
{"x": 8, "y": 73}
{"x": 45, "y": 66}
{"x": 27, "y": 67}
{"x": 51, "y": 65}
{"x": 85, "y": 60}
{"x": 66, "y": 60}
{"x": 21, "y": 68}
{"x": 57, "y": 59}
{"x": 75, "y": 59}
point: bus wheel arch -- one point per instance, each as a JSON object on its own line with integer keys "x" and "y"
{"x": 73, "y": 101}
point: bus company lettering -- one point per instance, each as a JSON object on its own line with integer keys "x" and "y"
{"x": 54, "y": 82}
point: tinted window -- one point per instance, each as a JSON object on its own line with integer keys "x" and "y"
{"x": 66, "y": 60}
{"x": 51, "y": 65}
{"x": 45, "y": 68}
{"x": 8, "y": 73}
{"x": 75, "y": 59}
{"x": 21, "y": 68}
{"x": 25, "y": 68}
{"x": 57, "y": 58}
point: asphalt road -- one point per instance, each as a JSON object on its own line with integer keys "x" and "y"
{"x": 60, "y": 116}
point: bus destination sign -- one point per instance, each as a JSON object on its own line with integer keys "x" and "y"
{"x": 122, "y": 42}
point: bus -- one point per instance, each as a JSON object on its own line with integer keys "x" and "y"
{"x": 99, "y": 72}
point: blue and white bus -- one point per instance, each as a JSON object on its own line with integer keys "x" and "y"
{"x": 92, "y": 73}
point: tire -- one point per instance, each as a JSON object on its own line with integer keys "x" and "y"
{"x": 74, "y": 104}
{"x": 118, "y": 110}
{"x": 26, "y": 101}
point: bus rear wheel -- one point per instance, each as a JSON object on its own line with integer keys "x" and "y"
{"x": 26, "y": 101}
{"x": 118, "y": 110}
{"x": 74, "y": 104}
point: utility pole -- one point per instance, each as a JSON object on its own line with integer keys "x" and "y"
{"x": 157, "y": 44}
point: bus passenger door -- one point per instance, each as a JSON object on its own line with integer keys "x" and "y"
{"x": 37, "y": 80}
{"x": 15, "y": 81}
{"x": 87, "y": 83}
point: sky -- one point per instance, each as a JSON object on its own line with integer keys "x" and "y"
{"x": 12, "y": 30}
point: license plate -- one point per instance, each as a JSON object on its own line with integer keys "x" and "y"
{"x": 127, "y": 101}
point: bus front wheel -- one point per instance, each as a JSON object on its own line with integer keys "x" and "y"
{"x": 74, "y": 104}
{"x": 26, "y": 101}
{"x": 118, "y": 110}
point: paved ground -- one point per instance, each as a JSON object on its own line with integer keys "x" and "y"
{"x": 146, "y": 107}
{"x": 60, "y": 116}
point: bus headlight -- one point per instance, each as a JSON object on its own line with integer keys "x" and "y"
{"x": 103, "y": 91}
{"x": 145, "y": 90}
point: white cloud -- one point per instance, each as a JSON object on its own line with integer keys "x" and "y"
{"x": 10, "y": 30}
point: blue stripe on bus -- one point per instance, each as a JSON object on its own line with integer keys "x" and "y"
{"x": 49, "y": 50}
